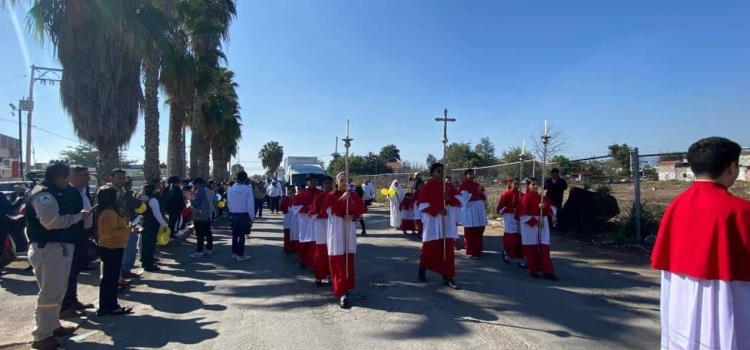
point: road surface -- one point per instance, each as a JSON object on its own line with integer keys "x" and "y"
{"x": 604, "y": 299}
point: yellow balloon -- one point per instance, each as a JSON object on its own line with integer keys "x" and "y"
{"x": 222, "y": 204}
{"x": 141, "y": 209}
{"x": 392, "y": 192}
{"x": 384, "y": 191}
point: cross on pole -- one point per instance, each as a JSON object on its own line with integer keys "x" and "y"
{"x": 347, "y": 143}
{"x": 445, "y": 121}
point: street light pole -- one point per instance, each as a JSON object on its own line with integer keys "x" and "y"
{"x": 20, "y": 140}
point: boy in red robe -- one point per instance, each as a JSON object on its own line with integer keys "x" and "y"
{"x": 319, "y": 214}
{"x": 535, "y": 236}
{"x": 440, "y": 231}
{"x": 301, "y": 205}
{"x": 284, "y": 204}
{"x": 703, "y": 251}
{"x": 407, "y": 214}
{"x": 473, "y": 214}
{"x": 506, "y": 207}
{"x": 344, "y": 208}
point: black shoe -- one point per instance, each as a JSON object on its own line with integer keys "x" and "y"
{"x": 45, "y": 344}
{"x": 151, "y": 269}
{"x": 405, "y": 232}
{"x": 364, "y": 233}
{"x": 64, "y": 331}
{"x": 319, "y": 283}
{"x": 344, "y": 302}
{"x": 448, "y": 282}
{"x": 506, "y": 259}
{"x": 534, "y": 275}
{"x": 421, "y": 276}
{"x": 551, "y": 277}
{"x": 79, "y": 306}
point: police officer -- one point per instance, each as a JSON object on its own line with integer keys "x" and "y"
{"x": 53, "y": 217}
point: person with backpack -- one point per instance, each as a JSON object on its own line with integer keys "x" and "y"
{"x": 202, "y": 204}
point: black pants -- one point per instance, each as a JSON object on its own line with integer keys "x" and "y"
{"x": 111, "y": 263}
{"x": 203, "y": 234}
{"x": 148, "y": 246}
{"x": 174, "y": 220}
{"x": 240, "y": 227}
{"x": 362, "y": 222}
{"x": 274, "y": 204}
{"x": 80, "y": 260}
{"x": 259, "y": 207}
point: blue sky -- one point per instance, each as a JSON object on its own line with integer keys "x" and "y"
{"x": 657, "y": 75}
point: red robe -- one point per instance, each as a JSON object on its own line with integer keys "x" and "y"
{"x": 284, "y": 205}
{"x": 341, "y": 257}
{"x": 705, "y": 234}
{"x": 306, "y": 246}
{"x": 475, "y": 189}
{"x": 537, "y": 255}
{"x": 511, "y": 237}
{"x": 320, "y": 253}
{"x": 436, "y": 255}
{"x": 407, "y": 224}
{"x": 473, "y": 233}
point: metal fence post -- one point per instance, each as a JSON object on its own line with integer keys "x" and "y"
{"x": 636, "y": 173}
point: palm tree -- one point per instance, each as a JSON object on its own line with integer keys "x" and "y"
{"x": 177, "y": 78}
{"x": 157, "y": 17}
{"x": 207, "y": 22}
{"x": 96, "y": 43}
{"x": 223, "y": 124}
{"x": 271, "y": 155}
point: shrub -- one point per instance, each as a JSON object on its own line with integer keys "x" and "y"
{"x": 603, "y": 189}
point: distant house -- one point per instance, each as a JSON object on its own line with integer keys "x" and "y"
{"x": 668, "y": 170}
{"x": 680, "y": 170}
{"x": 395, "y": 165}
{"x": 744, "y": 167}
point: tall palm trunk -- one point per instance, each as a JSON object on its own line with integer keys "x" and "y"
{"x": 219, "y": 167}
{"x": 109, "y": 159}
{"x": 176, "y": 143}
{"x": 199, "y": 149}
{"x": 151, "y": 117}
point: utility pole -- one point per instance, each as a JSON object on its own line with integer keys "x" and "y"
{"x": 20, "y": 141}
{"x": 46, "y": 76}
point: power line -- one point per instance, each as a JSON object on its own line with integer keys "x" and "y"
{"x": 43, "y": 130}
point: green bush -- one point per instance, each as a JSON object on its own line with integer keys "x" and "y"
{"x": 650, "y": 218}
{"x": 603, "y": 189}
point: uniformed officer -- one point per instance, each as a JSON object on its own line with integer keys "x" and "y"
{"x": 51, "y": 219}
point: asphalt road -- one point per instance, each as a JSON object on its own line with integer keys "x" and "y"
{"x": 604, "y": 299}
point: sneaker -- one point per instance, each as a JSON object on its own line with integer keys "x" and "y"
{"x": 344, "y": 302}
{"x": 448, "y": 282}
{"x": 242, "y": 257}
{"x": 198, "y": 255}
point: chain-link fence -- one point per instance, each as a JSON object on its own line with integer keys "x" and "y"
{"x": 625, "y": 195}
